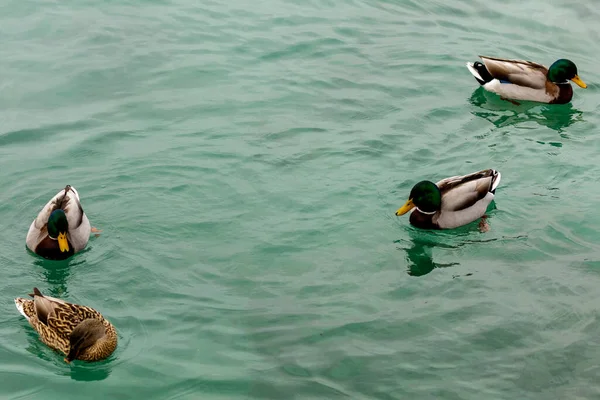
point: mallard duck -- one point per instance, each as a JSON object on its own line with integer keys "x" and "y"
{"x": 526, "y": 80}
{"x": 61, "y": 229}
{"x": 452, "y": 202}
{"x": 80, "y": 332}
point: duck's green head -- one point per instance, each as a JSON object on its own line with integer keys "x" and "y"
{"x": 58, "y": 226}
{"x": 426, "y": 196}
{"x": 562, "y": 70}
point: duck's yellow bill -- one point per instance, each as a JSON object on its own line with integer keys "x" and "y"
{"x": 409, "y": 205}
{"x": 578, "y": 81}
{"x": 63, "y": 243}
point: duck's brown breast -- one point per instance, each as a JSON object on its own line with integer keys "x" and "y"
{"x": 563, "y": 93}
{"x": 423, "y": 221}
{"x": 50, "y": 250}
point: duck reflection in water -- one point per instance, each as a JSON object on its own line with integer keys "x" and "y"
{"x": 57, "y": 274}
{"x": 503, "y": 113}
{"x": 90, "y": 373}
{"x": 419, "y": 256}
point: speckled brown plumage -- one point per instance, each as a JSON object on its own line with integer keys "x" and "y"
{"x": 55, "y": 319}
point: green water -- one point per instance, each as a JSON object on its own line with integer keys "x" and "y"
{"x": 244, "y": 161}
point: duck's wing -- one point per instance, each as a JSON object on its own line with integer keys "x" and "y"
{"x": 465, "y": 198}
{"x": 518, "y": 72}
{"x": 79, "y": 225}
{"x": 40, "y": 312}
{"x": 38, "y": 229}
{"x": 461, "y": 192}
{"x": 54, "y": 313}
{"x": 60, "y": 200}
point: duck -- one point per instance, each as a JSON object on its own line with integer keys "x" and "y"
{"x": 452, "y": 202}
{"x": 79, "y": 332}
{"x": 61, "y": 228}
{"x": 526, "y": 80}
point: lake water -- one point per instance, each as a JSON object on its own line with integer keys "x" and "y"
{"x": 244, "y": 161}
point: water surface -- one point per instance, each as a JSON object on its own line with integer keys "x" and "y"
{"x": 244, "y": 161}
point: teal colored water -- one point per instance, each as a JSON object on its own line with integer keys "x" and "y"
{"x": 244, "y": 161}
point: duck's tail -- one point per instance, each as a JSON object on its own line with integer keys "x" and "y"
{"x": 496, "y": 176}
{"x": 480, "y": 72}
{"x": 20, "y": 304}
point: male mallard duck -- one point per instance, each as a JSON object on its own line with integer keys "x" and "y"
{"x": 452, "y": 202}
{"x": 526, "y": 80}
{"x": 61, "y": 229}
{"x": 80, "y": 332}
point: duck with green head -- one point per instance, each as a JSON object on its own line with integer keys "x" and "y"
{"x": 61, "y": 229}
{"x": 451, "y": 202}
{"x": 527, "y": 80}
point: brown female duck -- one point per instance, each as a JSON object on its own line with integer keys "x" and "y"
{"x": 80, "y": 332}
